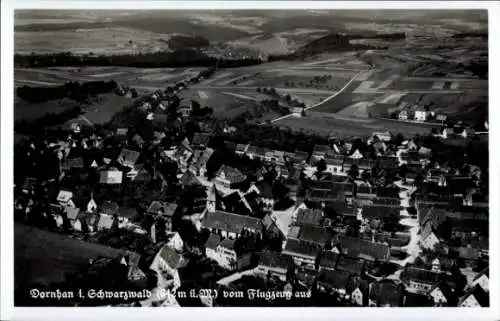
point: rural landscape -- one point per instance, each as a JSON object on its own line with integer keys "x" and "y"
{"x": 251, "y": 158}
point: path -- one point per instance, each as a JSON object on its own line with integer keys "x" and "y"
{"x": 236, "y": 276}
{"x": 326, "y": 99}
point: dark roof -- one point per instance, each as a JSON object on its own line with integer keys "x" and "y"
{"x": 231, "y": 174}
{"x": 423, "y": 276}
{"x": 170, "y": 256}
{"x": 212, "y": 241}
{"x": 231, "y": 222}
{"x": 127, "y": 212}
{"x": 485, "y": 271}
{"x": 161, "y": 208}
{"x": 200, "y": 139}
{"x": 386, "y": 292}
{"x": 350, "y": 265}
{"x": 373, "y": 212}
{"x": 313, "y": 234}
{"x": 275, "y": 260}
{"x": 301, "y": 248}
{"x": 189, "y": 178}
{"x": 203, "y": 159}
{"x": 446, "y": 290}
{"x": 334, "y": 279}
{"x": 109, "y": 208}
{"x": 306, "y": 276}
{"x": 328, "y": 260}
{"x": 89, "y": 218}
{"x": 70, "y": 163}
{"x": 481, "y": 296}
{"x": 128, "y": 156}
{"x": 417, "y": 300}
{"x": 309, "y": 217}
{"x": 359, "y": 248}
{"x": 265, "y": 189}
{"x": 227, "y": 243}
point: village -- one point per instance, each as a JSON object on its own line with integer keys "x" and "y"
{"x": 196, "y": 203}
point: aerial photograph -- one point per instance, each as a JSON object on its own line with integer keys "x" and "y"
{"x": 251, "y": 158}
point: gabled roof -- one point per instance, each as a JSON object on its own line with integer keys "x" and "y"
{"x": 203, "y": 159}
{"x": 231, "y": 174}
{"x": 227, "y": 244}
{"x": 105, "y": 222}
{"x": 359, "y": 248}
{"x": 213, "y": 241}
{"x": 350, "y": 265}
{"x": 328, "y": 260}
{"x": 128, "y": 157}
{"x": 111, "y": 176}
{"x": 265, "y": 189}
{"x": 446, "y": 290}
{"x": 334, "y": 279}
{"x": 109, "y": 207}
{"x": 71, "y": 212}
{"x": 189, "y": 178}
{"x": 485, "y": 271}
{"x": 301, "y": 248}
{"x": 306, "y": 216}
{"x": 162, "y": 208}
{"x": 170, "y": 256}
{"x": 127, "y": 212}
{"x": 275, "y": 260}
{"x": 200, "y": 139}
{"x": 70, "y": 163}
{"x": 423, "y": 275}
{"x": 313, "y": 234}
{"x": 231, "y": 222}
{"x": 481, "y": 296}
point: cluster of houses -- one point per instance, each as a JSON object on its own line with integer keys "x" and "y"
{"x": 338, "y": 228}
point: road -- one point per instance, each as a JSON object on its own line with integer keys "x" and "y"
{"x": 326, "y": 99}
{"x": 234, "y": 277}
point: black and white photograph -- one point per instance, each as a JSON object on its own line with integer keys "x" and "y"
{"x": 250, "y": 158}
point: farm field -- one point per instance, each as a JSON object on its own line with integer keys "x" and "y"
{"x": 45, "y": 257}
{"x": 327, "y": 124}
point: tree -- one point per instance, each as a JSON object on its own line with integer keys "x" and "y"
{"x": 354, "y": 171}
{"x": 321, "y": 165}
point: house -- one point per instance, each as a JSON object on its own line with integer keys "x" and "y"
{"x": 189, "y": 179}
{"x": 327, "y": 260}
{"x": 165, "y": 264}
{"x": 182, "y": 155}
{"x": 228, "y": 177}
{"x": 386, "y": 293}
{"x": 105, "y": 222}
{"x": 359, "y": 291}
{"x": 403, "y": 115}
{"x": 111, "y": 176}
{"x": 299, "y": 158}
{"x": 276, "y": 264}
{"x": 333, "y": 281}
{"x": 200, "y": 166}
{"x": 303, "y": 253}
{"x": 121, "y": 132}
{"x": 364, "y": 249}
{"x": 347, "y": 264}
{"x": 128, "y": 157}
{"x": 126, "y": 215}
{"x": 241, "y": 149}
{"x": 310, "y": 233}
{"x": 65, "y": 198}
{"x": 211, "y": 246}
{"x": 137, "y": 139}
{"x": 230, "y": 225}
{"x": 306, "y": 216}
{"x": 475, "y": 298}
{"x": 163, "y": 210}
{"x": 428, "y": 237}
{"x": 482, "y": 279}
{"x": 334, "y": 163}
{"x": 87, "y": 222}
{"x": 417, "y": 300}
{"x": 421, "y": 114}
{"x": 108, "y": 208}
{"x": 442, "y": 295}
{"x": 306, "y": 277}
{"x": 72, "y": 217}
{"x": 175, "y": 241}
{"x": 422, "y": 281}
{"x": 227, "y": 254}
{"x": 265, "y": 191}
{"x": 200, "y": 140}
{"x": 383, "y": 136}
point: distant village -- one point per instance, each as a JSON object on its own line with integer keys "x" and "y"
{"x": 191, "y": 203}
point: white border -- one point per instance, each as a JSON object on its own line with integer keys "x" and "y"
{"x": 6, "y": 282}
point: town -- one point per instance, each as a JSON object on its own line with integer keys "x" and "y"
{"x": 351, "y": 170}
